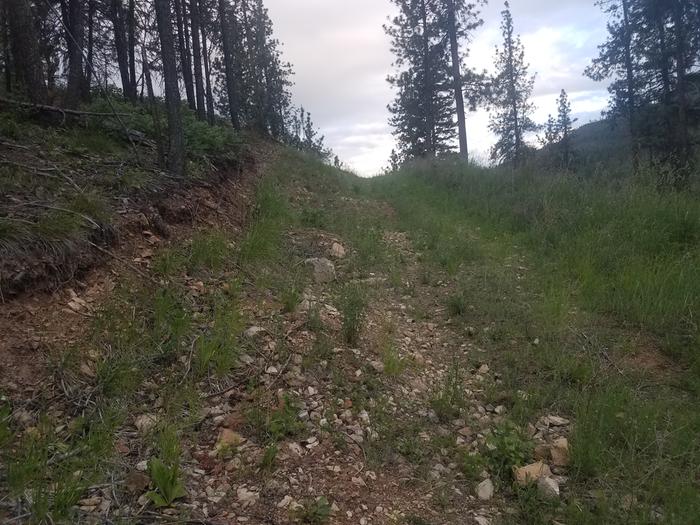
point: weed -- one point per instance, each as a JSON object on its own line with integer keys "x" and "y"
{"x": 507, "y": 447}
{"x": 352, "y": 302}
{"x": 167, "y": 483}
{"x": 168, "y": 262}
{"x": 315, "y": 512}
{"x": 315, "y": 323}
{"x": 471, "y": 465}
{"x": 312, "y": 218}
{"x": 394, "y": 364}
{"x": 276, "y": 424}
{"x": 267, "y": 463}
{"x": 448, "y": 399}
{"x": 457, "y": 304}
{"x": 218, "y": 349}
{"x": 209, "y": 251}
{"x": 290, "y": 296}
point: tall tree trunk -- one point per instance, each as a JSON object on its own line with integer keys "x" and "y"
{"x": 75, "y": 36}
{"x": 154, "y": 107}
{"x": 131, "y": 42}
{"x": 7, "y": 60}
{"x": 631, "y": 89}
{"x": 207, "y": 64}
{"x": 184, "y": 48}
{"x": 427, "y": 83}
{"x": 90, "y": 49}
{"x": 513, "y": 96}
{"x": 227, "y": 38}
{"x": 176, "y": 146}
{"x": 457, "y": 79}
{"x": 25, "y": 50}
{"x": 116, "y": 14}
{"x": 197, "y": 56}
{"x": 683, "y": 141}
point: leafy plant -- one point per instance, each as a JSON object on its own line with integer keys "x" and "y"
{"x": 507, "y": 447}
{"x": 167, "y": 482}
{"x": 277, "y": 423}
{"x": 316, "y": 512}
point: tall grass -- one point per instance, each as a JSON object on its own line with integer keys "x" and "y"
{"x": 627, "y": 249}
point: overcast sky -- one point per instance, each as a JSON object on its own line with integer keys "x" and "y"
{"x": 341, "y": 58}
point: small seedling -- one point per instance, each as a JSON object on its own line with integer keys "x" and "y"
{"x": 314, "y": 513}
{"x": 167, "y": 483}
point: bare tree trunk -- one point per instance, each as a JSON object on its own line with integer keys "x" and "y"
{"x": 683, "y": 140}
{"x": 75, "y": 36}
{"x": 428, "y": 82}
{"x": 184, "y": 49}
{"x": 457, "y": 79}
{"x": 25, "y": 50}
{"x": 227, "y": 38}
{"x": 7, "y": 60}
{"x": 131, "y": 42}
{"x": 207, "y": 64}
{"x": 90, "y": 49}
{"x": 631, "y": 89}
{"x": 121, "y": 46}
{"x": 197, "y": 56}
{"x": 176, "y": 146}
{"x": 154, "y": 108}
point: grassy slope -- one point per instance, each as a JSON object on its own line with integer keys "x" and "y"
{"x": 507, "y": 255}
{"x": 580, "y": 282}
{"x": 62, "y": 183}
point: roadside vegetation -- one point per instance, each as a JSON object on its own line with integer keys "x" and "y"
{"x": 587, "y": 290}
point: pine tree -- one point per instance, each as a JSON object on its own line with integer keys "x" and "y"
{"x": 618, "y": 60}
{"x": 176, "y": 146}
{"x": 460, "y": 19}
{"x": 423, "y": 110}
{"x": 512, "y": 87}
{"x": 564, "y": 127}
{"x": 652, "y": 48}
{"x": 25, "y": 50}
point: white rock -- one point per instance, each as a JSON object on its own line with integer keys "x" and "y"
{"x": 247, "y": 497}
{"x": 251, "y": 332}
{"x": 548, "y": 488}
{"x": 480, "y": 520}
{"x": 485, "y": 490}
{"x": 285, "y": 502}
{"x": 145, "y": 423}
{"x": 337, "y": 251}
{"x": 323, "y": 269}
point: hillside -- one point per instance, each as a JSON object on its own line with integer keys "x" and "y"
{"x": 272, "y": 340}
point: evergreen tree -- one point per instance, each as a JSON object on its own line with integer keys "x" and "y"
{"x": 617, "y": 60}
{"x": 652, "y": 48}
{"x": 423, "y": 110}
{"x": 460, "y": 19}
{"x": 565, "y": 127}
{"x": 176, "y": 147}
{"x": 512, "y": 87}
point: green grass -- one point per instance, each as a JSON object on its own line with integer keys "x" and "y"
{"x": 352, "y": 303}
{"x": 594, "y": 271}
{"x": 622, "y": 248}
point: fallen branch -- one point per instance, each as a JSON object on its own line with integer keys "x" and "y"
{"x": 124, "y": 262}
{"x": 62, "y": 111}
